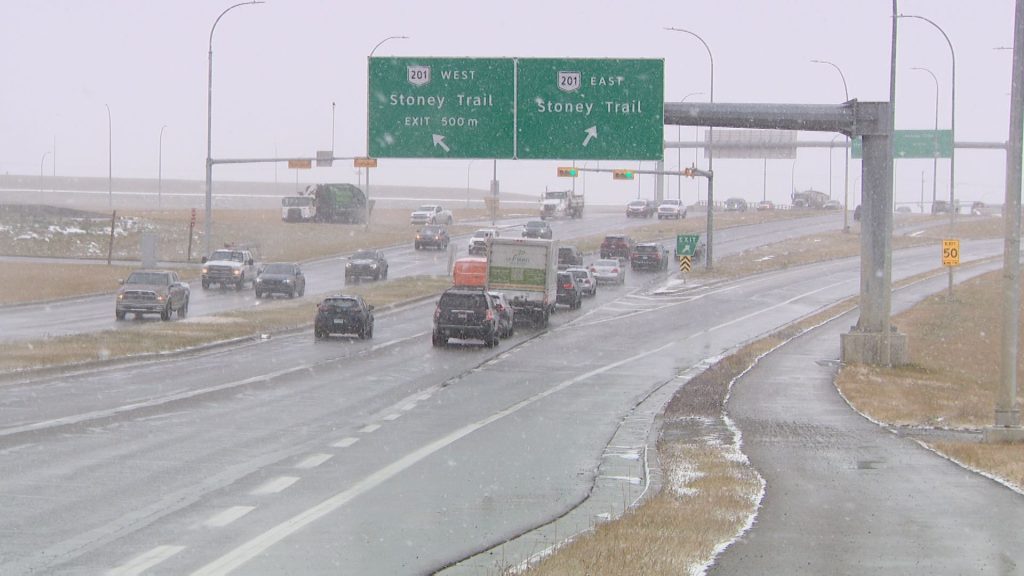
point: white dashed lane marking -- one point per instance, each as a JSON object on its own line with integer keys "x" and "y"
{"x": 370, "y": 428}
{"x": 312, "y": 461}
{"x": 345, "y": 442}
{"x": 145, "y": 561}
{"x": 392, "y": 417}
{"x": 274, "y": 486}
{"x": 228, "y": 516}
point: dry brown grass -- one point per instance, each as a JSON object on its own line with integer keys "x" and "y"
{"x": 161, "y": 337}
{"x": 38, "y": 282}
{"x": 953, "y": 374}
{"x": 1001, "y": 460}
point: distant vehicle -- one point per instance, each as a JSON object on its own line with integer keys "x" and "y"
{"x": 856, "y": 213}
{"x": 506, "y": 315}
{"x": 608, "y": 271}
{"x": 649, "y": 256}
{"x": 765, "y": 205}
{"x": 561, "y": 204}
{"x": 808, "y": 199}
{"x": 569, "y": 293}
{"x": 280, "y": 278}
{"x": 432, "y": 235}
{"x": 616, "y": 246}
{"x": 940, "y": 207}
{"x": 537, "y": 229}
{"x": 339, "y": 203}
{"x": 977, "y": 208}
{"x": 465, "y": 313}
{"x": 152, "y": 292}
{"x": 837, "y": 205}
{"x": 640, "y": 209}
{"x": 569, "y": 256}
{"x": 478, "y": 242}
{"x": 298, "y": 208}
{"x": 366, "y": 264}
{"x": 585, "y": 279}
{"x": 903, "y": 210}
{"x": 471, "y": 271}
{"x": 671, "y": 208}
{"x": 524, "y": 269}
{"x": 735, "y": 205}
{"x": 431, "y": 214}
{"x": 231, "y": 265}
{"x": 343, "y": 314}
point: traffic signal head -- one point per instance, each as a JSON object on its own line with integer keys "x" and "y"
{"x": 688, "y": 172}
{"x": 567, "y": 172}
{"x": 622, "y": 175}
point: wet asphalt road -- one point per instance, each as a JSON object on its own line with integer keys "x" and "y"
{"x": 845, "y": 496}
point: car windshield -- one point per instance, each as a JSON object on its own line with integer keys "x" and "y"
{"x": 157, "y": 278}
{"x": 278, "y": 269}
{"x": 226, "y": 346}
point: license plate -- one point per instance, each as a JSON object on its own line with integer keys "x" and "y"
{"x": 339, "y": 321}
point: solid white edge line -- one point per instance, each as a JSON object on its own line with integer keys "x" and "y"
{"x": 258, "y": 545}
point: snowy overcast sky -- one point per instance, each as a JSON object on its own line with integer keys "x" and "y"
{"x": 278, "y": 67}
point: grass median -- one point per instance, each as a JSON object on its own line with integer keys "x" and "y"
{"x": 138, "y": 338}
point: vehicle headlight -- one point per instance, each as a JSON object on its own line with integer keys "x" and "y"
{"x": 236, "y": 272}
{"x": 120, "y": 296}
{"x": 348, "y": 265}
{"x": 205, "y": 270}
{"x": 287, "y": 280}
{"x": 160, "y": 297}
{"x": 373, "y": 264}
{"x": 259, "y": 280}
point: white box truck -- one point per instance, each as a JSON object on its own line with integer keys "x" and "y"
{"x": 526, "y": 270}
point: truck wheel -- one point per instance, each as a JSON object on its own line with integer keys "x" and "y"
{"x": 119, "y": 315}
{"x": 165, "y": 314}
{"x": 206, "y": 284}
{"x": 259, "y": 294}
{"x": 183, "y": 311}
{"x": 240, "y": 283}
{"x": 438, "y": 340}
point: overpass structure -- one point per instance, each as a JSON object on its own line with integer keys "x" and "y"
{"x": 871, "y": 341}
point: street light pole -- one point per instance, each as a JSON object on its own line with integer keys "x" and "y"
{"x": 208, "y": 224}
{"x": 368, "y": 58}
{"x": 830, "y": 145}
{"x": 41, "y": 161}
{"x": 332, "y": 128}
{"x": 952, "y": 122}
{"x": 935, "y": 160}
{"x": 110, "y": 160}
{"x": 160, "y": 169}
{"x": 468, "y": 167}
{"x": 711, "y": 140}
{"x": 846, "y": 160}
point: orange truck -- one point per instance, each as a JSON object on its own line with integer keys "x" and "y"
{"x": 470, "y": 271}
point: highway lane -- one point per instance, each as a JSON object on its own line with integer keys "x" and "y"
{"x": 95, "y": 313}
{"x": 378, "y": 457}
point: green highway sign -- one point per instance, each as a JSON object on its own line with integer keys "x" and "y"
{"x": 686, "y": 244}
{"x": 914, "y": 144}
{"x": 441, "y": 108}
{"x": 590, "y": 109}
{"x": 532, "y": 108}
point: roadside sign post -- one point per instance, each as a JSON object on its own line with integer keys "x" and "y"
{"x": 950, "y": 259}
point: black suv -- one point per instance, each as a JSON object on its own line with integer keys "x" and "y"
{"x": 569, "y": 292}
{"x": 341, "y": 314}
{"x": 649, "y": 256}
{"x": 280, "y": 277}
{"x": 465, "y": 312}
{"x": 434, "y": 236}
{"x": 569, "y": 257}
{"x": 616, "y": 246}
{"x": 366, "y": 264}
{"x": 537, "y": 229}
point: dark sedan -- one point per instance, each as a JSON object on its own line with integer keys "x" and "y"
{"x": 367, "y": 264}
{"x": 343, "y": 314}
{"x": 280, "y": 278}
{"x": 537, "y": 229}
{"x": 432, "y": 236}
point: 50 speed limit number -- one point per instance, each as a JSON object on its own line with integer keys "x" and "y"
{"x": 950, "y": 252}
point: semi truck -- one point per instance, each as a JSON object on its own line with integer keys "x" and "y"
{"x": 561, "y": 204}
{"x": 342, "y": 203}
{"x": 526, "y": 270}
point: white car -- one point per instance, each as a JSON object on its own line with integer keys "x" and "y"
{"x": 608, "y": 270}
{"x": 478, "y": 241}
{"x": 585, "y": 280}
{"x": 671, "y": 208}
{"x": 431, "y": 214}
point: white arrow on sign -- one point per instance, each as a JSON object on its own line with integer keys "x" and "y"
{"x": 591, "y": 133}
{"x": 439, "y": 141}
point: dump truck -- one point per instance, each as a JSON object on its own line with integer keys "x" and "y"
{"x": 343, "y": 203}
{"x": 526, "y": 270}
{"x": 561, "y": 204}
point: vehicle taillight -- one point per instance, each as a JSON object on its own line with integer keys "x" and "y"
{"x": 592, "y": 269}
{"x": 437, "y": 313}
{"x": 567, "y": 286}
{"x": 615, "y": 270}
{"x": 490, "y": 315}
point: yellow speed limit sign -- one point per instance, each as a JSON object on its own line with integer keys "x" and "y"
{"x": 950, "y": 252}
